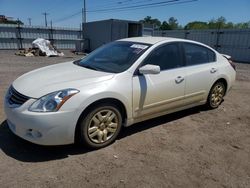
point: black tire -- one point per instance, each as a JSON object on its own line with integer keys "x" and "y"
{"x": 215, "y": 97}
{"x": 86, "y": 122}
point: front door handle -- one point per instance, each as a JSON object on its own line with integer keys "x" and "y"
{"x": 179, "y": 79}
{"x": 213, "y": 70}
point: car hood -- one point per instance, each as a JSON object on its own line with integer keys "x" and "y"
{"x": 57, "y": 77}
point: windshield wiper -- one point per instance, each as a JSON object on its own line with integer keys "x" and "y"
{"x": 89, "y": 67}
{"x": 77, "y": 62}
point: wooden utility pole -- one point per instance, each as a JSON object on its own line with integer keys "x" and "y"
{"x": 51, "y": 33}
{"x": 45, "y": 18}
{"x": 19, "y": 35}
{"x": 82, "y": 15}
{"x": 84, "y": 12}
{"x": 29, "y": 19}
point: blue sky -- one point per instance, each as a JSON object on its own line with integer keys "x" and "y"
{"x": 201, "y": 10}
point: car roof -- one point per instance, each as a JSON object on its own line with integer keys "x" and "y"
{"x": 152, "y": 40}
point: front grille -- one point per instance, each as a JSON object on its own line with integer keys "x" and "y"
{"x": 16, "y": 98}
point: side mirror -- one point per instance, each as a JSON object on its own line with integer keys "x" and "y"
{"x": 150, "y": 69}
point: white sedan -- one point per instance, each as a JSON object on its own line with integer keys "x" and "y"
{"x": 119, "y": 84}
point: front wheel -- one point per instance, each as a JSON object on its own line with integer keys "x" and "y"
{"x": 216, "y": 95}
{"x": 101, "y": 126}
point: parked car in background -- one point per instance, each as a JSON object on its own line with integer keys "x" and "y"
{"x": 119, "y": 84}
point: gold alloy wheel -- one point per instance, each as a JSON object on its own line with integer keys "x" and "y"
{"x": 102, "y": 126}
{"x": 217, "y": 95}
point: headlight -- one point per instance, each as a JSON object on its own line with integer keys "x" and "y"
{"x": 53, "y": 101}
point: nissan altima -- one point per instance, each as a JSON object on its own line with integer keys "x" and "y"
{"x": 119, "y": 84}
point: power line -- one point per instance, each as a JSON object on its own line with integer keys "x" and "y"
{"x": 139, "y": 7}
{"x": 68, "y": 17}
{"x": 135, "y": 6}
{"x": 128, "y": 8}
{"x": 111, "y": 8}
{"x": 118, "y": 3}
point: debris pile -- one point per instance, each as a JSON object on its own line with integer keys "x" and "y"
{"x": 30, "y": 52}
{"x": 40, "y": 47}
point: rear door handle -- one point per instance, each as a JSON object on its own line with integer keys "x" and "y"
{"x": 179, "y": 79}
{"x": 213, "y": 70}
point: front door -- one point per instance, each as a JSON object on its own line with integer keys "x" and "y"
{"x": 155, "y": 93}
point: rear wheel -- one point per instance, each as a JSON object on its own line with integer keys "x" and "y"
{"x": 101, "y": 126}
{"x": 215, "y": 97}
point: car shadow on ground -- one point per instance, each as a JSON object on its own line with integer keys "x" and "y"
{"x": 24, "y": 151}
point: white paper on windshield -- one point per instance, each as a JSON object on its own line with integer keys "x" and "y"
{"x": 139, "y": 46}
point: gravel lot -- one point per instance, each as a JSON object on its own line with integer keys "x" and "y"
{"x": 192, "y": 148}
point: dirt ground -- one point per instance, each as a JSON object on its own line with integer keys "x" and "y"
{"x": 192, "y": 148}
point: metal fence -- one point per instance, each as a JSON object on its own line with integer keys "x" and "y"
{"x": 21, "y": 36}
{"x": 234, "y": 42}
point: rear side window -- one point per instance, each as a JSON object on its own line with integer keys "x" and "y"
{"x": 167, "y": 57}
{"x": 197, "y": 54}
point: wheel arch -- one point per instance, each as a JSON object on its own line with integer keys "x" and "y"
{"x": 119, "y": 104}
{"x": 223, "y": 80}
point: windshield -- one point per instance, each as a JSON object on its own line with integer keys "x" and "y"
{"x": 114, "y": 57}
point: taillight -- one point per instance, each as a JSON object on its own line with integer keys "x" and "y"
{"x": 232, "y": 64}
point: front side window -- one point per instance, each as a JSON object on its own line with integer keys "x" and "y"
{"x": 114, "y": 57}
{"x": 197, "y": 54}
{"x": 167, "y": 57}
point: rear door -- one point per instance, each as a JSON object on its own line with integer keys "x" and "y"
{"x": 201, "y": 72}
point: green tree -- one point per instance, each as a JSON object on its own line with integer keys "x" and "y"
{"x": 219, "y": 23}
{"x": 196, "y": 25}
{"x": 173, "y": 23}
{"x": 229, "y": 25}
{"x": 165, "y": 26}
{"x": 242, "y": 25}
{"x": 151, "y": 21}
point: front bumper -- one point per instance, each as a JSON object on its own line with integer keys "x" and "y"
{"x": 54, "y": 128}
